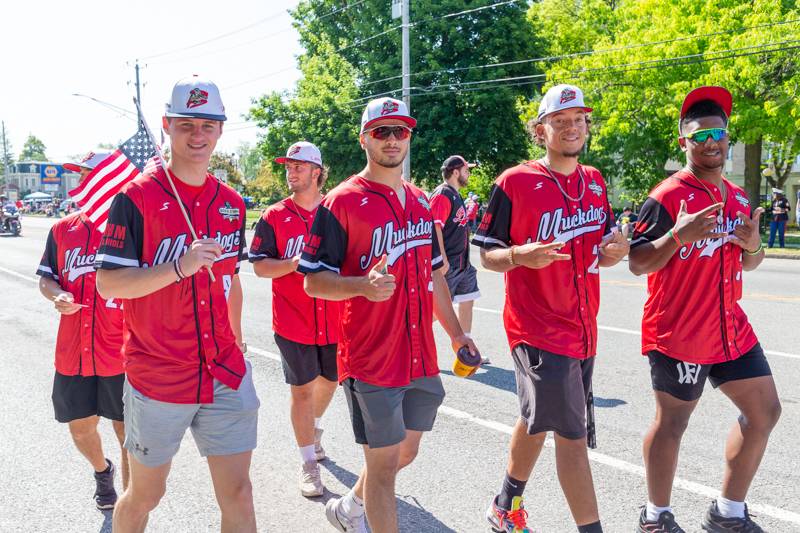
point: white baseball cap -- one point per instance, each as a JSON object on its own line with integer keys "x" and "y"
{"x": 90, "y": 160}
{"x": 301, "y": 151}
{"x": 561, "y": 97}
{"x": 196, "y": 98}
{"x": 386, "y": 108}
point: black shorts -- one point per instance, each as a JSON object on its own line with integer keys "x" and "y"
{"x": 381, "y": 415}
{"x": 685, "y": 381}
{"x": 76, "y": 397}
{"x": 303, "y": 363}
{"x": 463, "y": 284}
{"x": 553, "y": 391}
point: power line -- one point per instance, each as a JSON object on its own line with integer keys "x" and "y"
{"x": 218, "y": 37}
{"x": 582, "y": 73}
{"x": 585, "y": 53}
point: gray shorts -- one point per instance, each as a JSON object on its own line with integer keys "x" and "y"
{"x": 553, "y": 391}
{"x": 381, "y": 415}
{"x": 463, "y": 285}
{"x": 154, "y": 429}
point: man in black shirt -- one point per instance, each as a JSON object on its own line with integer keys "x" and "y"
{"x": 780, "y": 215}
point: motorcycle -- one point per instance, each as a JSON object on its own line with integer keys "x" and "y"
{"x": 11, "y": 222}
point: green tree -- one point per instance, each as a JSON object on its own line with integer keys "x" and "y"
{"x": 250, "y": 160}
{"x": 457, "y": 113}
{"x": 267, "y": 187}
{"x": 222, "y": 161}
{"x": 33, "y": 150}
{"x": 636, "y": 90}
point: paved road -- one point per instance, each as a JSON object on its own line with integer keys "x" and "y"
{"x": 47, "y": 486}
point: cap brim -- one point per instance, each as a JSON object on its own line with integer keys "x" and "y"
{"x": 410, "y": 121}
{"x": 587, "y": 109}
{"x": 221, "y": 118}
{"x": 284, "y": 160}
{"x": 472, "y": 165}
{"x": 73, "y": 167}
{"x": 719, "y": 95}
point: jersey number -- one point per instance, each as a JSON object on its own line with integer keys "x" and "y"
{"x": 227, "y": 280}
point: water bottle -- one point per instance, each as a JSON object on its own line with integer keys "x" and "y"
{"x": 466, "y": 363}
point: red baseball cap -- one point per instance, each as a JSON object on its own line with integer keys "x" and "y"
{"x": 719, "y": 95}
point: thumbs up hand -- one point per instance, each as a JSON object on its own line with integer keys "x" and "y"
{"x": 378, "y": 284}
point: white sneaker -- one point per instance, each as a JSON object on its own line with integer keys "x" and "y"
{"x": 319, "y": 451}
{"x": 311, "y": 480}
{"x": 341, "y": 521}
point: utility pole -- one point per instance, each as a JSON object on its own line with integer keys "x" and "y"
{"x": 6, "y": 162}
{"x": 138, "y": 87}
{"x": 400, "y": 9}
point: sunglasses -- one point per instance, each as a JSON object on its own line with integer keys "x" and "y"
{"x": 701, "y": 136}
{"x": 382, "y": 133}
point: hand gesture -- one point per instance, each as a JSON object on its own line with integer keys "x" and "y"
{"x": 616, "y": 246}
{"x": 379, "y": 286}
{"x": 746, "y": 234}
{"x": 295, "y": 262}
{"x": 65, "y": 304}
{"x": 697, "y": 226}
{"x": 202, "y": 253}
{"x": 539, "y": 255}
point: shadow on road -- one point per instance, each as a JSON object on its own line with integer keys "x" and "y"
{"x": 411, "y": 516}
{"x": 494, "y": 376}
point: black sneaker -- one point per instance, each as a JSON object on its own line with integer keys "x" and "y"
{"x": 716, "y": 523}
{"x": 665, "y": 524}
{"x": 105, "y": 497}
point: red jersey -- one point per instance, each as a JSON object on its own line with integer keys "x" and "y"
{"x": 388, "y": 343}
{"x": 281, "y": 233}
{"x": 552, "y": 308}
{"x": 692, "y": 311}
{"x": 178, "y": 339}
{"x": 89, "y": 342}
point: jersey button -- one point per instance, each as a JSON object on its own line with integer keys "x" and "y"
{"x": 319, "y": 308}
{"x": 412, "y": 290}
{"x": 197, "y": 204}
{"x": 413, "y": 326}
{"x": 205, "y": 335}
{"x": 202, "y": 302}
{"x": 415, "y": 360}
{"x": 579, "y": 276}
{"x": 320, "y": 333}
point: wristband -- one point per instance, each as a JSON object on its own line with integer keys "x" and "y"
{"x": 511, "y": 256}
{"x": 177, "y": 268}
{"x": 756, "y": 251}
{"x": 674, "y": 236}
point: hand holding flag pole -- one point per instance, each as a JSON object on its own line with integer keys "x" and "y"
{"x": 162, "y": 163}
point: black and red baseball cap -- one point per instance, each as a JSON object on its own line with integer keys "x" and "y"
{"x": 456, "y": 161}
{"x": 719, "y": 95}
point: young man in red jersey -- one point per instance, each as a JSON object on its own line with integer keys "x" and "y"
{"x": 549, "y": 227}
{"x": 184, "y": 360}
{"x": 696, "y": 235}
{"x": 373, "y": 247}
{"x": 89, "y": 372}
{"x": 306, "y": 329}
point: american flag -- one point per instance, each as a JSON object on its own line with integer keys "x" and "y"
{"x": 133, "y": 158}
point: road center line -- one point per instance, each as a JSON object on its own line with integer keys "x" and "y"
{"x": 600, "y": 458}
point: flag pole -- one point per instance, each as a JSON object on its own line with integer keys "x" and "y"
{"x": 163, "y": 165}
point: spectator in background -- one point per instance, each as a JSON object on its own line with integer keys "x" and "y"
{"x": 797, "y": 209}
{"x": 473, "y": 204}
{"x": 627, "y": 217}
{"x": 780, "y": 215}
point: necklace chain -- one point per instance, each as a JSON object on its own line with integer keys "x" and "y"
{"x": 546, "y": 165}
{"x": 723, "y": 193}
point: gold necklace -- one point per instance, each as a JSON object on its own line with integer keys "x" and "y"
{"x": 723, "y": 193}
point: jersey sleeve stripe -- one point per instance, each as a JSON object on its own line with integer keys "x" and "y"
{"x": 114, "y": 260}
{"x": 252, "y": 257}
{"x": 316, "y": 266}
{"x": 481, "y": 240}
{"x": 46, "y": 272}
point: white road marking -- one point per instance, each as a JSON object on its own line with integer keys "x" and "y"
{"x": 607, "y": 460}
{"x": 638, "y": 333}
{"x": 17, "y": 274}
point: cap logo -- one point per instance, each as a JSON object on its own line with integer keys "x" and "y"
{"x": 87, "y": 157}
{"x": 389, "y": 107}
{"x": 294, "y": 150}
{"x": 567, "y": 95}
{"x": 197, "y": 97}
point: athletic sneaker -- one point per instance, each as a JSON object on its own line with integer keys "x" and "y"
{"x": 511, "y": 521}
{"x": 105, "y": 497}
{"x": 311, "y": 480}
{"x": 716, "y": 523}
{"x": 665, "y": 524}
{"x": 319, "y": 451}
{"x": 341, "y": 521}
